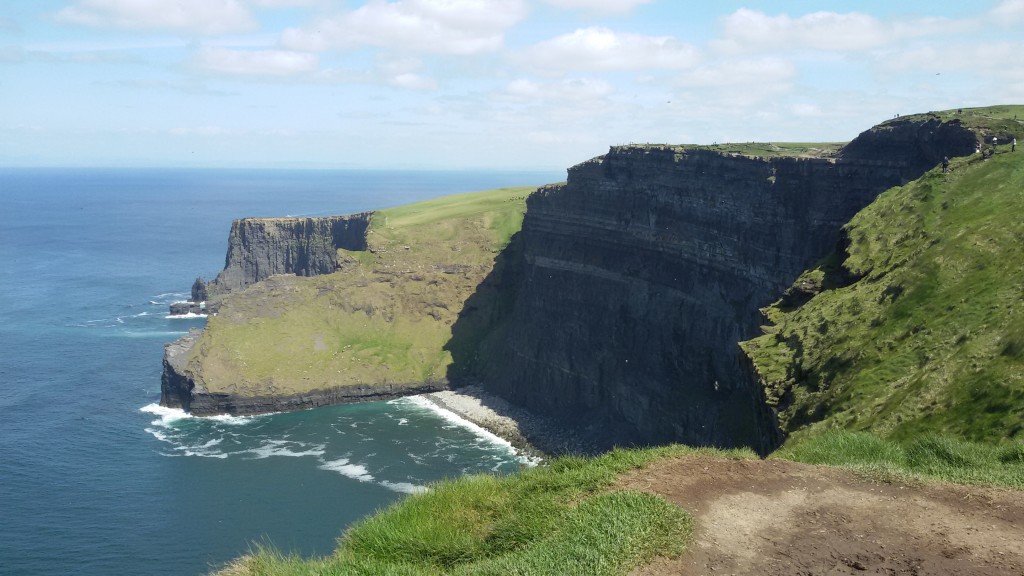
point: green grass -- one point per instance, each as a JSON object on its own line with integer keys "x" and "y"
{"x": 556, "y": 519}
{"x": 758, "y": 149}
{"x": 928, "y": 457}
{"x": 929, "y": 340}
{"x": 384, "y": 318}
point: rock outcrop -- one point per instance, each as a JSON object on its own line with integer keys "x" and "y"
{"x": 261, "y": 247}
{"x": 639, "y": 276}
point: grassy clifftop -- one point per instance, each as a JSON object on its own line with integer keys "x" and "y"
{"x": 383, "y": 318}
{"x": 918, "y": 326}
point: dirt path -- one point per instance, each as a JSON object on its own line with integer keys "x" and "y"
{"x": 783, "y": 518}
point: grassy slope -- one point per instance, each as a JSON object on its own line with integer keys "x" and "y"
{"x": 383, "y": 318}
{"x": 931, "y": 338}
{"x": 557, "y": 519}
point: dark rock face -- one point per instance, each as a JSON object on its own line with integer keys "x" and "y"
{"x": 641, "y": 274}
{"x": 183, "y": 308}
{"x": 261, "y": 247}
{"x": 199, "y": 293}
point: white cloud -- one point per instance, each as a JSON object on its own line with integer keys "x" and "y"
{"x": 992, "y": 60}
{"x": 185, "y": 16}
{"x": 256, "y": 62}
{"x": 601, "y": 49}
{"x": 205, "y": 131}
{"x": 284, "y": 3}
{"x": 750, "y": 30}
{"x": 412, "y": 81}
{"x": 600, "y": 6}
{"x": 1009, "y": 12}
{"x": 764, "y": 72}
{"x": 433, "y": 26}
{"x": 404, "y": 73}
{"x": 573, "y": 90}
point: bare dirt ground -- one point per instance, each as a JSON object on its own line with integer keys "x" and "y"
{"x": 775, "y": 517}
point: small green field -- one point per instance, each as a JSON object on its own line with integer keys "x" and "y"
{"x": 384, "y": 318}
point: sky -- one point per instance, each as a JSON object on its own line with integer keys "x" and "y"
{"x": 476, "y": 84}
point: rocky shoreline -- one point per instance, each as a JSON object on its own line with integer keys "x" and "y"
{"x": 530, "y": 433}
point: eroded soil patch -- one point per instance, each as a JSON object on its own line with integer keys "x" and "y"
{"x": 783, "y": 518}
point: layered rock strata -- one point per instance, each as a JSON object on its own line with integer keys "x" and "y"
{"x": 639, "y": 276}
{"x": 261, "y": 247}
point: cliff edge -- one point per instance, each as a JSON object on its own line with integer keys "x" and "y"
{"x": 639, "y": 276}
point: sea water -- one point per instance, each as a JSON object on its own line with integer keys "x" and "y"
{"x": 95, "y": 476}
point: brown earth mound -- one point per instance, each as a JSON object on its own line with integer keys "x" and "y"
{"x": 775, "y": 517}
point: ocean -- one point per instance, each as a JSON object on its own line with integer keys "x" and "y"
{"x": 95, "y": 476}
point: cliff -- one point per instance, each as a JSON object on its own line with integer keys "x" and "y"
{"x": 639, "y": 276}
{"x": 261, "y": 247}
{"x": 913, "y": 326}
{"x": 366, "y": 321}
{"x": 618, "y": 307}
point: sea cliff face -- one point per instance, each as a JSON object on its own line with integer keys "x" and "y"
{"x": 261, "y": 247}
{"x": 639, "y": 276}
{"x": 617, "y": 309}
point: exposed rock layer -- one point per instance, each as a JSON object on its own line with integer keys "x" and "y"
{"x": 641, "y": 273}
{"x": 261, "y": 247}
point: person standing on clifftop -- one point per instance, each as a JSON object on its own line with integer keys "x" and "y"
{"x": 945, "y": 164}
{"x": 1013, "y": 146}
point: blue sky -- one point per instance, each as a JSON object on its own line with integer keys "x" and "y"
{"x": 510, "y": 84}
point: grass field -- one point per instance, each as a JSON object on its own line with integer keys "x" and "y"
{"x": 385, "y": 317}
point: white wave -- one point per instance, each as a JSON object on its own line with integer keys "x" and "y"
{"x": 201, "y": 453}
{"x": 343, "y": 467}
{"x": 229, "y": 419}
{"x": 157, "y": 434}
{"x": 280, "y": 448}
{"x": 404, "y": 487}
{"x": 185, "y": 316}
{"x": 163, "y": 334}
{"x": 120, "y": 320}
{"x": 403, "y": 421}
{"x": 140, "y": 314}
{"x": 168, "y": 415}
{"x": 457, "y": 420}
{"x": 165, "y": 415}
{"x": 171, "y": 294}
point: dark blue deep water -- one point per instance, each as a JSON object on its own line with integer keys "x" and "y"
{"x": 97, "y": 479}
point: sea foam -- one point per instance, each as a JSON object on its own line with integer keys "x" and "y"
{"x": 404, "y": 487}
{"x": 345, "y": 468}
{"x": 281, "y": 448}
{"x": 457, "y": 420}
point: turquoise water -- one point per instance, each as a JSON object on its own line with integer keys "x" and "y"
{"x": 95, "y": 478}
